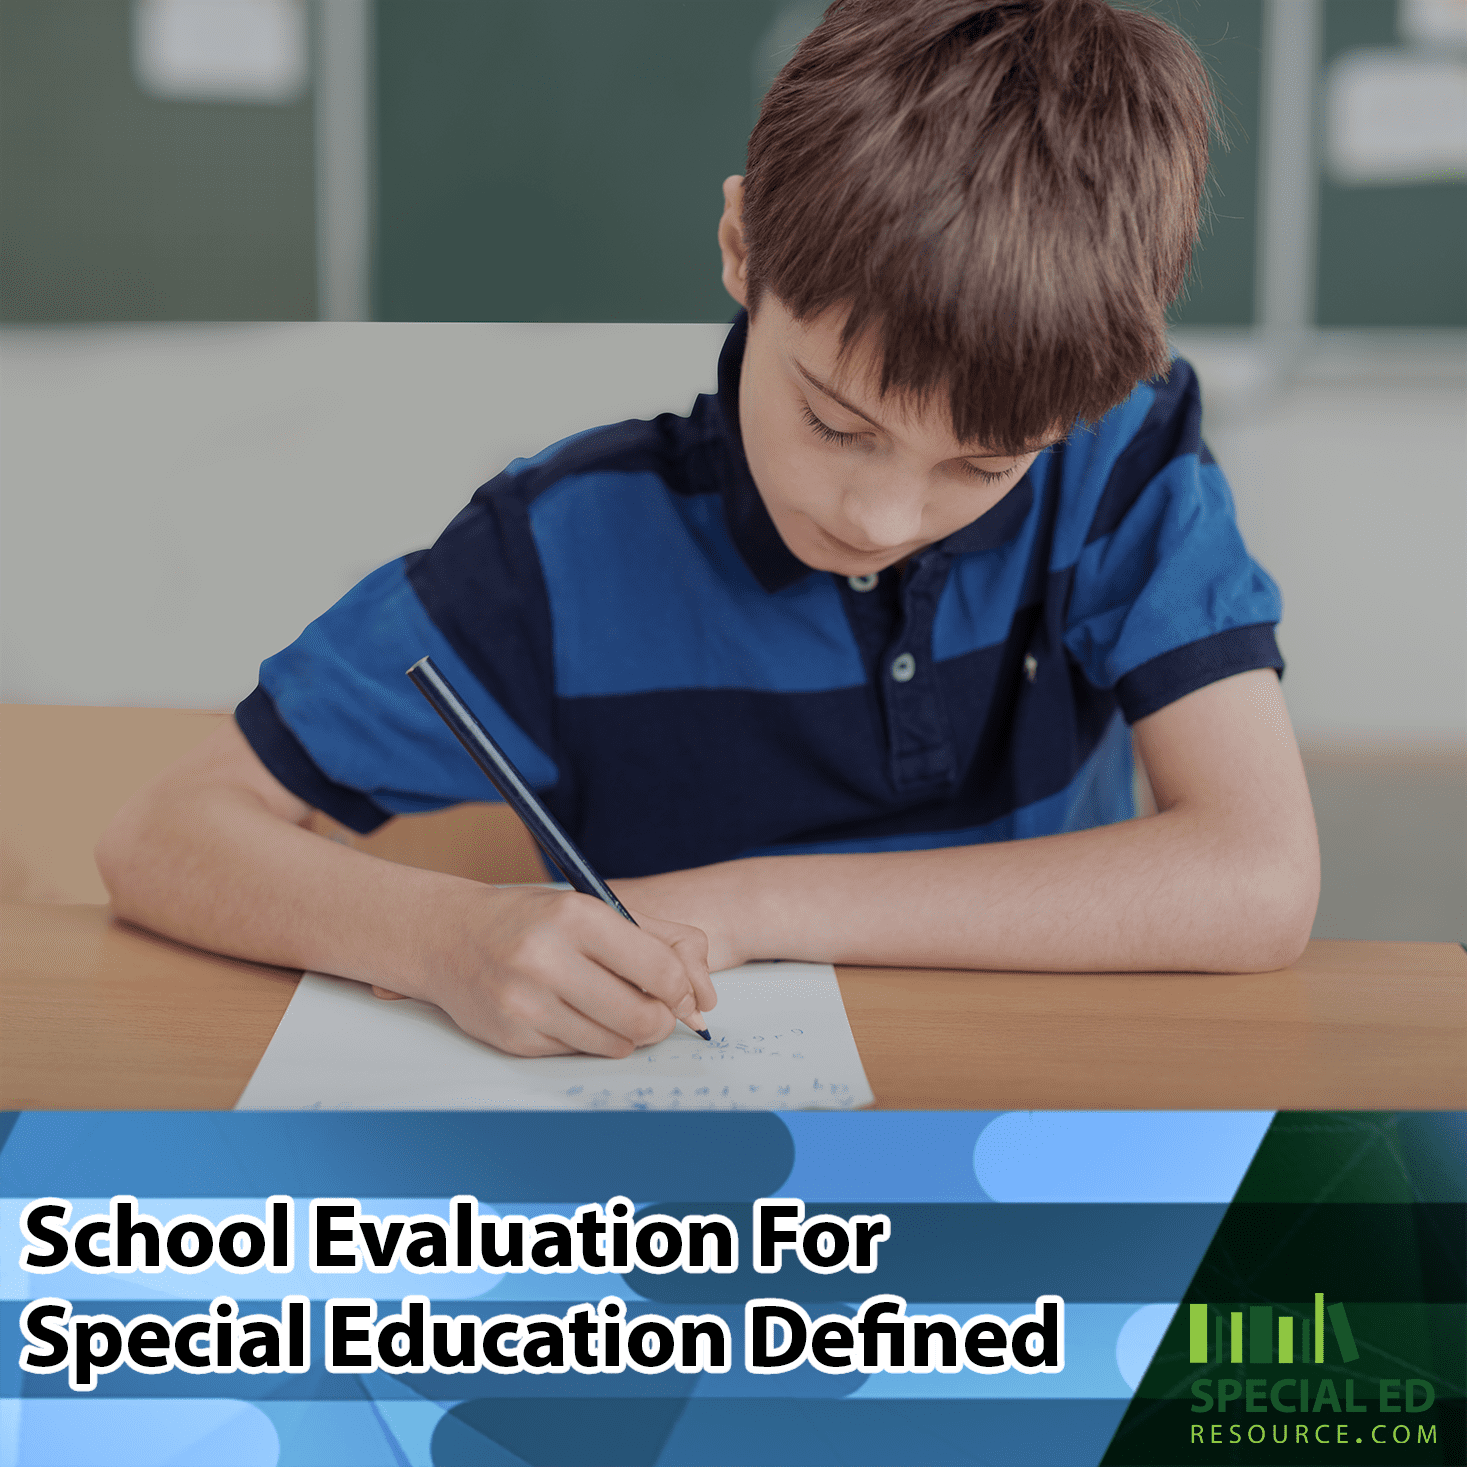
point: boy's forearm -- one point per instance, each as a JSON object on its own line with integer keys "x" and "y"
{"x": 220, "y": 871}
{"x": 1176, "y": 891}
{"x": 216, "y": 853}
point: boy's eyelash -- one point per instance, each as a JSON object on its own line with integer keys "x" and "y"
{"x": 829, "y": 434}
{"x": 986, "y": 475}
{"x": 832, "y": 435}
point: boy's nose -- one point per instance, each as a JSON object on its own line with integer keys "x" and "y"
{"x": 883, "y": 521}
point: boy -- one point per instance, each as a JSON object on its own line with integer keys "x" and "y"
{"x": 839, "y": 667}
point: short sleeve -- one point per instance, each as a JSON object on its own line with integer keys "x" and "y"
{"x": 336, "y": 720}
{"x": 1165, "y": 598}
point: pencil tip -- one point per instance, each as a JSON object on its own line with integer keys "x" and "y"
{"x": 703, "y": 1034}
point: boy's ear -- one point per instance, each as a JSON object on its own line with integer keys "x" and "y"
{"x": 731, "y": 240}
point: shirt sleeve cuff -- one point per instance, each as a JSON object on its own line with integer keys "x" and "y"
{"x": 1185, "y": 669}
{"x": 286, "y": 758}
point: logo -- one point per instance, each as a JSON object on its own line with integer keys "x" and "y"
{"x": 1301, "y": 1408}
{"x": 1261, "y": 1339}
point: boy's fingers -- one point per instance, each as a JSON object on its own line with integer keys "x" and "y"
{"x": 584, "y": 1035}
{"x": 572, "y": 1005}
{"x": 379, "y": 992}
{"x": 649, "y": 961}
{"x": 697, "y": 964}
{"x": 613, "y": 1004}
{"x": 691, "y": 946}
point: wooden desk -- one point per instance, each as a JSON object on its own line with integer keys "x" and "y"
{"x": 101, "y": 1015}
{"x": 95, "y": 1014}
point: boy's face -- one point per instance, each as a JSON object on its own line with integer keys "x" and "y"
{"x": 853, "y": 482}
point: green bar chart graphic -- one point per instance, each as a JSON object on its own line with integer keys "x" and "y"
{"x": 1197, "y": 1334}
{"x": 1265, "y": 1346}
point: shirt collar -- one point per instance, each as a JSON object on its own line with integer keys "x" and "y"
{"x": 773, "y": 563}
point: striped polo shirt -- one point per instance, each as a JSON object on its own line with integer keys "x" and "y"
{"x": 622, "y": 615}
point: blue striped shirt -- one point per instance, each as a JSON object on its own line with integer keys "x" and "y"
{"x": 622, "y": 615}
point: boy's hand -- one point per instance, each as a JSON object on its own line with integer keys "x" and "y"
{"x": 708, "y": 897}
{"x": 537, "y": 972}
{"x": 215, "y": 853}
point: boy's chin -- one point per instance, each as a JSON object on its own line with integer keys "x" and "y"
{"x": 846, "y": 562}
{"x": 822, "y": 551}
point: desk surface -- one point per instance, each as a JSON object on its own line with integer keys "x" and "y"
{"x": 100, "y": 1015}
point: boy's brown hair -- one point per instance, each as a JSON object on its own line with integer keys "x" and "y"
{"x": 1003, "y": 193}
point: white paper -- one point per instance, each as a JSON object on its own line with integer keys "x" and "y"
{"x": 781, "y": 1041}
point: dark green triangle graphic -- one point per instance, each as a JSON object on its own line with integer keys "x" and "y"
{"x": 1330, "y": 1307}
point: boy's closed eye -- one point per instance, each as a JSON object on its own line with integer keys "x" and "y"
{"x": 834, "y": 435}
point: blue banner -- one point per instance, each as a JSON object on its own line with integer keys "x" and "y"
{"x": 490, "y": 1288}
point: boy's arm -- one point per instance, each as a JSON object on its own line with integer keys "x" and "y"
{"x": 214, "y": 853}
{"x": 1224, "y": 878}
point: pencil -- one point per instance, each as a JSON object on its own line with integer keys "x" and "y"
{"x": 559, "y": 848}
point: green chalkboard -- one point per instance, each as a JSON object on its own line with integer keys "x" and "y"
{"x": 563, "y": 162}
{"x": 1229, "y": 36}
{"x": 116, "y": 206}
{"x": 559, "y": 162}
{"x": 1388, "y": 255}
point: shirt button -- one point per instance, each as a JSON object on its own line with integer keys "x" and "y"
{"x": 862, "y": 583}
{"x": 903, "y": 668}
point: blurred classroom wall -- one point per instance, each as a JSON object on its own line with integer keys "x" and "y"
{"x": 498, "y": 184}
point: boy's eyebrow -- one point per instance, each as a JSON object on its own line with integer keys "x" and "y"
{"x": 834, "y": 396}
{"x": 850, "y": 407}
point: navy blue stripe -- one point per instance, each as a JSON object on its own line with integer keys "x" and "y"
{"x": 285, "y": 757}
{"x": 482, "y": 586}
{"x": 1172, "y": 427}
{"x": 1185, "y": 669}
{"x": 633, "y": 446}
{"x": 689, "y": 454}
{"x": 727, "y": 771}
